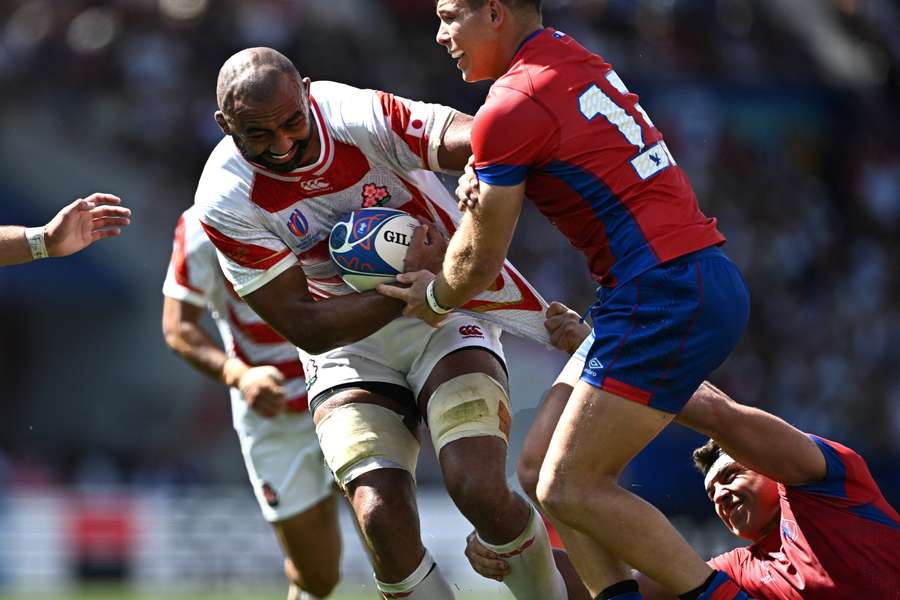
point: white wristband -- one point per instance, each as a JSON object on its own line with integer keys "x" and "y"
{"x": 432, "y": 301}
{"x": 35, "y": 238}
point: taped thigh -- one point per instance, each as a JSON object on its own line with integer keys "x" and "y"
{"x": 357, "y": 438}
{"x": 471, "y": 405}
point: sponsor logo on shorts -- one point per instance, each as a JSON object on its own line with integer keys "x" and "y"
{"x": 375, "y": 195}
{"x": 471, "y": 331}
{"x": 270, "y": 495}
{"x": 298, "y": 224}
{"x": 311, "y": 370}
{"x": 593, "y": 366}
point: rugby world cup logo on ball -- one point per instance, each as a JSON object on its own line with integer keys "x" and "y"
{"x": 368, "y": 246}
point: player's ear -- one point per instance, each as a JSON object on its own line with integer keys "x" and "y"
{"x": 223, "y": 124}
{"x": 495, "y": 9}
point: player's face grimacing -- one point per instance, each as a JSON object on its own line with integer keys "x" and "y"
{"x": 746, "y": 501}
{"x": 469, "y": 37}
{"x": 277, "y": 131}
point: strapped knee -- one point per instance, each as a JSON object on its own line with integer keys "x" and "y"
{"x": 470, "y": 405}
{"x": 358, "y": 438}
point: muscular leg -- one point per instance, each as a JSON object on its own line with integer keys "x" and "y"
{"x": 598, "y": 434}
{"x": 474, "y": 470}
{"x": 591, "y": 560}
{"x": 311, "y": 542}
{"x": 383, "y": 500}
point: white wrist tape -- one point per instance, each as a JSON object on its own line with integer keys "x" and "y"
{"x": 432, "y": 301}
{"x": 36, "y": 242}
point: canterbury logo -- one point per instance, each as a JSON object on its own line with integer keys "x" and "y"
{"x": 468, "y": 331}
{"x": 314, "y": 185}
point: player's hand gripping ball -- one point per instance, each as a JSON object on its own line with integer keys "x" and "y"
{"x": 368, "y": 246}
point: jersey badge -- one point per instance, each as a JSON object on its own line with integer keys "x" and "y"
{"x": 298, "y": 224}
{"x": 375, "y": 195}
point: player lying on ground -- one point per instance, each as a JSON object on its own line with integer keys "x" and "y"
{"x": 73, "y": 229}
{"x": 561, "y": 127}
{"x": 820, "y": 527}
{"x": 297, "y": 156}
{"x": 293, "y": 487}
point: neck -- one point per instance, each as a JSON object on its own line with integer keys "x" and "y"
{"x": 521, "y": 30}
{"x": 769, "y": 528}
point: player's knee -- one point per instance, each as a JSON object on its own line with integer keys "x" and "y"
{"x": 319, "y": 581}
{"x": 377, "y": 508}
{"x": 476, "y": 495}
{"x": 564, "y": 496}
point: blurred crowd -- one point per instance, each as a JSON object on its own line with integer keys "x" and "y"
{"x": 788, "y": 125}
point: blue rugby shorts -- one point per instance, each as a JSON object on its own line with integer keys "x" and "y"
{"x": 657, "y": 336}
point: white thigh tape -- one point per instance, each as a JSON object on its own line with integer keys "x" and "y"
{"x": 471, "y": 405}
{"x": 357, "y": 438}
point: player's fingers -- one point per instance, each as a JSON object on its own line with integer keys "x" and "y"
{"x": 100, "y": 198}
{"x": 420, "y": 236}
{"x": 556, "y": 308}
{"x": 109, "y": 222}
{"x": 104, "y": 210}
{"x": 391, "y": 291}
{"x": 99, "y": 234}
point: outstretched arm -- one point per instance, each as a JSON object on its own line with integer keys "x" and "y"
{"x": 74, "y": 228}
{"x": 758, "y": 440}
{"x": 261, "y": 386}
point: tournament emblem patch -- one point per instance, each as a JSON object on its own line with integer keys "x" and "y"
{"x": 375, "y": 195}
{"x": 789, "y": 529}
{"x": 270, "y": 495}
{"x": 298, "y": 224}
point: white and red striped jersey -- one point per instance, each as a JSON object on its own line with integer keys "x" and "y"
{"x": 377, "y": 149}
{"x": 194, "y": 276}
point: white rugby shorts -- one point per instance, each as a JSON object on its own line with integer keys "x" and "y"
{"x": 403, "y": 352}
{"x": 283, "y": 460}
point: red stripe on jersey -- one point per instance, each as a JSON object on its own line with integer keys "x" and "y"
{"x": 291, "y": 369}
{"x": 422, "y": 206}
{"x": 411, "y": 130}
{"x": 179, "y": 258}
{"x": 259, "y": 333}
{"x": 244, "y": 254}
{"x": 727, "y": 591}
{"x": 316, "y": 255}
{"x": 276, "y": 193}
{"x": 528, "y": 302}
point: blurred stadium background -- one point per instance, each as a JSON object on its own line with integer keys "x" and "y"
{"x": 118, "y": 465}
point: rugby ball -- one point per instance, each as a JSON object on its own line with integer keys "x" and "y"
{"x": 368, "y": 246}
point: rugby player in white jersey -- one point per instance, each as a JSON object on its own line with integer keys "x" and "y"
{"x": 297, "y": 156}
{"x": 294, "y": 489}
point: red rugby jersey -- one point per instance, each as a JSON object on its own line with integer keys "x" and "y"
{"x": 839, "y": 538}
{"x": 561, "y": 120}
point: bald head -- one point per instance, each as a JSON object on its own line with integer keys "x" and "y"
{"x": 252, "y": 76}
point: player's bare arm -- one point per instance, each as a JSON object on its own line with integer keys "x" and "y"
{"x": 318, "y": 326}
{"x": 261, "y": 386}
{"x": 74, "y": 228}
{"x": 473, "y": 259}
{"x": 756, "y": 439}
{"x": 456, "y": 144}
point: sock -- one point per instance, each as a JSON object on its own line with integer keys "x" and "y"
{"x": 624, "y": 590}
{"x": 532, "y": 572}
{"x": 719, "y": 586}
{"x": 295, "y": 593}
{"x": 425, "y": 583}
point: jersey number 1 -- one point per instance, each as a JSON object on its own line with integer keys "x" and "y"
{"x": 593, "y": 101}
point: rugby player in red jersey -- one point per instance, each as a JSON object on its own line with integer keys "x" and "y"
{"x": 821, "y": 529}
{"x": 560, "y": 126}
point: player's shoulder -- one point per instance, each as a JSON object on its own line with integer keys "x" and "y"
{"x": 335, "y": 99}
{"x": 226, "y": 180}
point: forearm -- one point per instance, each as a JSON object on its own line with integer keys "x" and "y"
{"x": 318, "y": 326}
{"x": 456, "y": 144}
{"x": 14, "y": 247}
{"x": 196, "y": 346}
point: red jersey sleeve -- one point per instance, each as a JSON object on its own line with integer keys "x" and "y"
{"x": 511, "y": 132}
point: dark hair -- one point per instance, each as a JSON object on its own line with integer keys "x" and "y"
{"x": 706, "y": 455}
{"x": 515, "y": 4}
